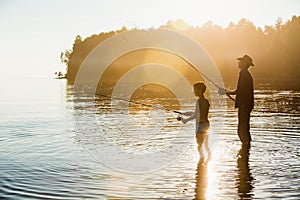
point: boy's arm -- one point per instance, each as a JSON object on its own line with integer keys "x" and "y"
{"x": 187, "y": 113}
{"x": 194, "y": 114}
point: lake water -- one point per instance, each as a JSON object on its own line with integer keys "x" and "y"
{"x": 44, "y": 156}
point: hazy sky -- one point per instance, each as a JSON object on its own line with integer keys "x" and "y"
{"x": 34, "y": 32}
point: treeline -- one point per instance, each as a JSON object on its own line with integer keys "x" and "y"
{"x": 274, "y": 49}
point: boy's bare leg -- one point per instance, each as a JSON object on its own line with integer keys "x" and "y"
{"x": 200, "y": 140}
{"x": 206, "y": 145}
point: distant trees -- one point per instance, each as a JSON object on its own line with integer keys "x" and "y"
{"x": 275, "y": 49}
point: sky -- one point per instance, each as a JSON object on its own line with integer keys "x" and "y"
{"x": 33, "y": 32}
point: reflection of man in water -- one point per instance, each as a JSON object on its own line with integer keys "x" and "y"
{"x": 201, "y": 116}
{"x": 244, "y": 98}
{"x": 244, "y": 179}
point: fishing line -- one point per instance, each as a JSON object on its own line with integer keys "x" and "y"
{"x": 139, "y": 103}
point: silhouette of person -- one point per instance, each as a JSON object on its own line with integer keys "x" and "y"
{"x": 244, "y": 98}
{"x": 244, "y": 178}
{"x": 201, "y": 116}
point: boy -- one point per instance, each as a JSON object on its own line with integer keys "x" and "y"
{"x": 201, "y": 116}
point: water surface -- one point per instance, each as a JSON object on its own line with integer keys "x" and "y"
{"x": 42, "y": 156}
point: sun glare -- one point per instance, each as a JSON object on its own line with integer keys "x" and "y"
{"x": 212, "y": 180}
{"x": 180, "y": 25}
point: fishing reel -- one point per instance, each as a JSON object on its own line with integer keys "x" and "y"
{"x": 179, "y": 117}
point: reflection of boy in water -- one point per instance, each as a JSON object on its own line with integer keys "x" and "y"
{"x": 201, "y": 116}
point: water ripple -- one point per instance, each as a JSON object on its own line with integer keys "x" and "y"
{"x": 42, "y": 157}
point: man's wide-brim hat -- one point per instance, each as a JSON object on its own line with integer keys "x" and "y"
{"x": 247, "y": 59}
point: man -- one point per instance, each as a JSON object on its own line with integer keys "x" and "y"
{"x": 244, "y": 98}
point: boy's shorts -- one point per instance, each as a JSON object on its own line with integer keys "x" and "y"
{"x": 203, "y": 127}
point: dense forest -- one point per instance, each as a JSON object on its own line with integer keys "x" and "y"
{"x": 274, "y": 49}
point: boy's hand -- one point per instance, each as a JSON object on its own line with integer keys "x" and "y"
{"x": 179, "y": 118}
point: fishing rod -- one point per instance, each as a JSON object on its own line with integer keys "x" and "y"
{"x": 174, "y": 111}
{"x": 221, "y": 90}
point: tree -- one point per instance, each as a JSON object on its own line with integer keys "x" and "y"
{"x": 65, "y": 56}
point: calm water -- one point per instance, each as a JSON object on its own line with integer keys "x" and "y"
{"x": 42, "y": 155}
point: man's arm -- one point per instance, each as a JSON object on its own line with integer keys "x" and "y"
{"x": 239, "y": 85}
{"x": 227, "y": 92}
{"x": 231, "y": 92}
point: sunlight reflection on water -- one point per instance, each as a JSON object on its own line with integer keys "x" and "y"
{"x": 43, "y": 157}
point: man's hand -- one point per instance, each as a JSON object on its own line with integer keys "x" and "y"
{"x": 222, "y": 91}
